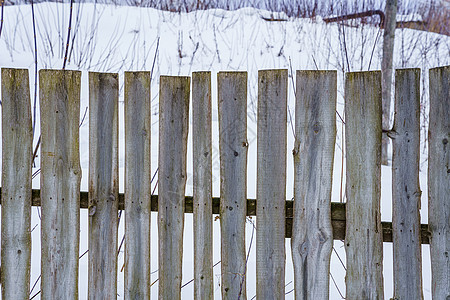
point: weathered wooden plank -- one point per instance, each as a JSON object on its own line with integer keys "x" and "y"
{"x": 405, "y": 186}
{"x": 439, "y": 181}
{"x": 315, "y": 132}
{"x": 233, "y": 146}
{"x": 59, "y": 95}
{"x": 363, "y": 240}
{"x": 103, "y": 185}
{"x": 137, "y": 185}
{"x": 17, "y": 136}
{"x": 202, "y": 158}
{"x": 271, "y": 184}
{"x": 173, "y": 131}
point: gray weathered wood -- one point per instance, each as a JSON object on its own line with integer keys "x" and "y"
{"x": 405, "y": 186}
{"x": 271, "y": 184}
{"x": 59, "y": 95}
{"x": 439, "y": 181}
{"x": 137, "y": 185}
{"x": 386, "y": 73}
{"x": 233, "y": 146}
{"x": 17, "y": 137}
{"x": 202, "y": 164}
{"x": 363, "y": 240}
{"x": 315, "y": 131}
{"x": 103, "y": 185}
{"x": 173, "y": 131}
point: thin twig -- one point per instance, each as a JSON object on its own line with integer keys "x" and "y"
{"x": 36, "y": 173}
{"x": 37, "y": 280}
{"x": 1, "y": 20}
{"x": 246, "y": 261}
{"x": 154, "y": 59}
{"x": 284, "y": 287}
{"x": 34, "y": 227}
{"x": 295, "y": 95}
{"x": 341, "y": 199}
{"x": 193, "y": 278}
{"x": 373, "y": 49}
{"x": 337, "y": 254}
{"x": 34, "y": 296}
{"x": 68, "y": 35}
{"x": 289, "y": 292}
{"x": 339, "y": 115}
{"x": 35, "y": 67}
{"x": 36, "y": 150}
{"x": 123, "y": 238}
{"x": 335, "y": 284}
{"x": 41, "y": 275}
{"x": 84, "y": 116}
{"x": 83, "y": 254}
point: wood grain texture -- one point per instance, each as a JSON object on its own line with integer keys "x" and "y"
{"x": 405, "y": 186}
{"x": 439, "y": 181}
{"x": 202, "y": 165}
{"x": 233, "y": 147}
{"x": 103, "y": 185}
{"x": 137, "y": 185}
{"x": 363, "y": 240}
{"x": 315, "y": 131}
{"x": 17, "y": 136}
{"x": 59, "y": 94}
{"x": 271, "y": 184}
{"x": 174, "y": 95}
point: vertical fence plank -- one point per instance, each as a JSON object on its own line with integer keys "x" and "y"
{"x": 271, "y": 184}
{"x": 173, "y": 131}
{"x": 438, "y": 181}
{"x": 202, "y": 158}
{"x": 233, "y": 146}
{"x": 363, "y": 240}
{"x": 103, "y": 185}
{"x": 137, "y": 185}
{"x": 17, "y": 138}
{"x": 312, "y": 234}
{"x": 60, "y": 183}
{"x": 405, "y": 186}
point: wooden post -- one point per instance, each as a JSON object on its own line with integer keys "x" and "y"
{"x": 137, "y": 185}
{"x": 103, "y": 184}
{"x": 233, "y": 146}
{"x": 438, "y": 181}
{"x": 202, "y": 158}
{"x": 363, "y": 240}
{"x": 17, "y": 136}
{"x": 271, "y": 184}
{"x": 315, "y": 132}
{"x": 59, "y": 96}
{"x": 405, "y": 186}
{"x": 173, "y": 132}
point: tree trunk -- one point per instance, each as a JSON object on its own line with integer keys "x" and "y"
{"x": 386, "y": 71}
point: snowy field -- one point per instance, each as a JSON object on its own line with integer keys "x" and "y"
{"x": 107, "y": 38}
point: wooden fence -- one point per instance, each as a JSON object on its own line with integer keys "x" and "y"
{"x": 311, "y": 219}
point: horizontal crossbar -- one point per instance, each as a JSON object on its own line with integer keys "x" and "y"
{"x": 337, "y": 214}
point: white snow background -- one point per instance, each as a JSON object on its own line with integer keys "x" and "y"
{"x": 109, "y": 38}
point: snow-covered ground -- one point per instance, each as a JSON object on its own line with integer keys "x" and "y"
{"x": 107, "y": 38}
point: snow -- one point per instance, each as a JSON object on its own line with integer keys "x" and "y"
{"x": 108, "y": 38}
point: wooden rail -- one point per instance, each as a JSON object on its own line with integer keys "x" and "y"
{"x": 337, "y": 214}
